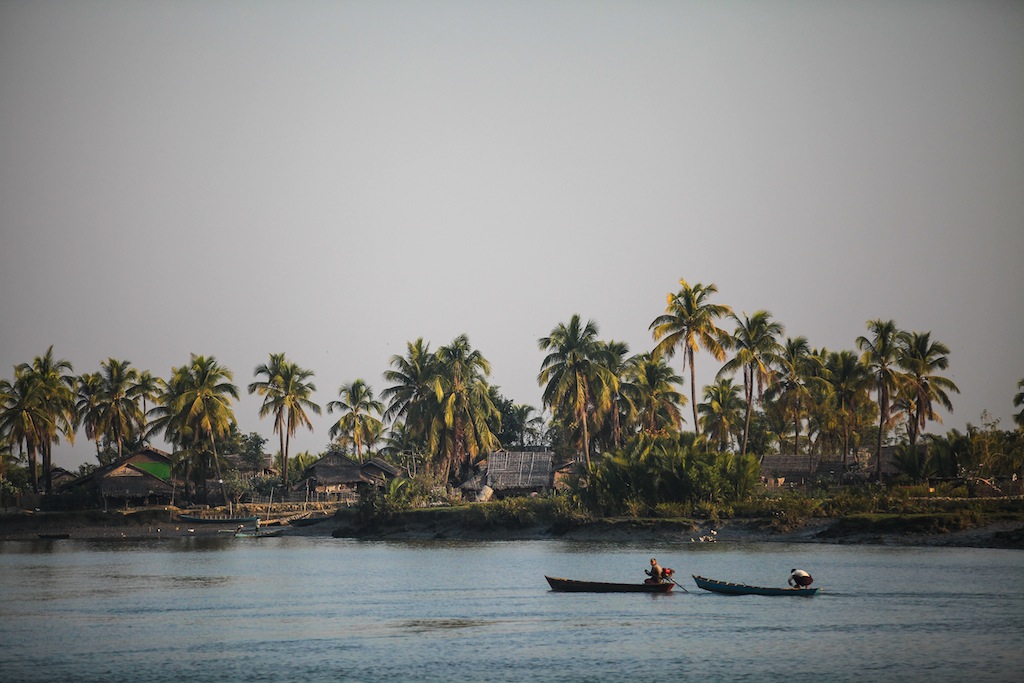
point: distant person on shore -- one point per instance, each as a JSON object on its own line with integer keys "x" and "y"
{"x": 655, "y": 572}
{"x": 798, "y": 578}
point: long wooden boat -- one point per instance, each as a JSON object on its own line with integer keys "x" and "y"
{"x": 573, "y": 586}
{"x": 257, "y": 533}
{"x": 743, "y": 589}
{"x": 54, "y": 537}
{"x": 218, "y": 519}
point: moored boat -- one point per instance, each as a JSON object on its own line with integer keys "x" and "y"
{"x": 257, "y": 533}
{"x": 218, "y": 519}
{"x": 743, "y": 589}
{"x": 574, "y": 586}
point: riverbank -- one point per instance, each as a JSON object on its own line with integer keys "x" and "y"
{"x": 903, "y": 530}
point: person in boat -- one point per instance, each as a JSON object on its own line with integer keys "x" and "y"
{"x": 798, "y": 578}
{"x": 655, "y": 572}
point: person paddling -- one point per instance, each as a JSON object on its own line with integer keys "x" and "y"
{"x": 798, "y": 578}
{"x": 655, "y": 572}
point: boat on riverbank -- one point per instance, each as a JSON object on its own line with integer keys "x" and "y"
{"x": 257, "y": 533}
{"x": 218, "y": 519}
{"x": 573, "y": 586}
{"x": 727, "y": 588}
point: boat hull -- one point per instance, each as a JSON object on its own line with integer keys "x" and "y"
{"x": 258, "y": 534}
{"x": 196, "y": 519}
{"x": 726, "y": 588}
{"x": 572, "y": 586}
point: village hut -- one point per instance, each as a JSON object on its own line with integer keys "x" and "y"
{"x": 512, "y": 473}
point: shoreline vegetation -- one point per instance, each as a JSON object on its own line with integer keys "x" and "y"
{"x": 981, "y": 523}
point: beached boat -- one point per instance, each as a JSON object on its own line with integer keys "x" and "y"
{"x": 310, "y": 521}
{"x": 743, "y": 589}
{"x": 218, "y": 519}
{"x": 573, "y": 586}
{"x": 54, "y": 537}
{"x": 257, "y": 533}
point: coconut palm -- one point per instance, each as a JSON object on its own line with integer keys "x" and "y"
{"x": 460, "y": 428}
{"x": 146, "y": 388}
{"x": 797, "y": 371}
{"x": 87, "y": 406}
{"x": 1018, "y": 401}
{"x": 920, "y": 357}
{"x": 24, "y": 418}
{"x": 286, "y": 395}
{"x": 410, "y": 396}
{"x": 530, "y": 425}
{"x": 755, "y": 340}
{"x": 358, "y": 408}
{"x": 575, "y": 375}
{"x": 722, "y": 413}
{"x": 849, "y": 381}
{"x": 56, "y": 383}
{"x": 621, "y": 406}
{"x": 880, "y": 355}
{"x": 120, "y": 417}
{"x": 658, "y": 403}
{"x": 689, "y": 323}
{"x": 196, "y": 409}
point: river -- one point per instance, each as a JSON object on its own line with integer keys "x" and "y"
{"x": 324, "y": 609}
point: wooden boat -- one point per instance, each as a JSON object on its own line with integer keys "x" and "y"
{"x": 218, "y": 519}
{"x": 54, "y": 536}
{"x": 573, "y": 586}
{"x": 309, "y": 521}
{"x": 257, "y": 533}
{"x": 743, "y": 589}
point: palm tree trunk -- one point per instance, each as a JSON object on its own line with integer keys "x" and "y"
{"x": 284, "y": 459}
{"x": 693, "y": 391}
{"x": 878, "y": 453}
{"x": 216, "y": 467}
{"x": 47, "y": 466}
{"x": 748, "y": 387}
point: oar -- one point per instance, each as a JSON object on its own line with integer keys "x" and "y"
{"x": 678, "y": 584}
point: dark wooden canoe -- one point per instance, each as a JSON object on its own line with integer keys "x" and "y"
{"x": 54, "y": 536}
{"x": 573, "y": 586}
{"x": 223, "y": 519}
{"x": 743, "y": 589}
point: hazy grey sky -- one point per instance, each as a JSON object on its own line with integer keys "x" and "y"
{"x": 334, "y": 179}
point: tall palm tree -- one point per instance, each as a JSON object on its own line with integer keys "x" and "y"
{"x": 920, "y": 358}
{"x": 689, "y": 323}
{"x": 196, "y": 408}
{"x": 24, "y": 417}
{"x": 286, "y": 394}
{"x": 410, "y": 396}
{"x": 530, "y": 425}
{"x": 460, "y": 429}
{"x": 849, "y": 381}
{"x": 797, "y": 371}
{"x": 53, "y": 375}
{"x": 755, "y": 340}
{"x": 575, "y": 375}
{"x": 120, "y": 416}
{"x": 1018, "y": 401}
{"x": 87, "y": 406}
{"x": 880, "y": 355}
{"x": 358, "y": 409}
{"x": 146, "y": 388}
{"x": 619, "y": 362}
{"x": 722, "y": 412}
{"x": 658, "y": 402}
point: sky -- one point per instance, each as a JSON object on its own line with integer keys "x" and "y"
{"x": 332, "y": 180}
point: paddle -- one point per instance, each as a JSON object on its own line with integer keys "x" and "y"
{"x": 678, "y": 584}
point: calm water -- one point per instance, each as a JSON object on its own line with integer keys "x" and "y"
{"x": 322, "y": 609}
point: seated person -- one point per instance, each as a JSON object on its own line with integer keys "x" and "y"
{"x": 798, "y": 578}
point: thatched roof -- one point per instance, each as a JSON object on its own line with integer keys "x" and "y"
{"x": 519, "y": 470}
{"x": 335, "y": 468}
{"x": 129, "y": 481}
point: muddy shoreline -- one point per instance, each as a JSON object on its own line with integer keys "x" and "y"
{"x": 164, "y": 524}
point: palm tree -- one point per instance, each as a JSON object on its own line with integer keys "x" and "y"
{"x": 880, "y": 354}
{"x": 920, "y": 358}
{"x": 196, "y": 408}
{"x": 460, "y": 428}
{"x": 24, "y": 417}
{"x": 616, "y": 355}
{"x": 798, "y": 370}
{"x": 575, "y": 375}
{"x": 411, "y": 397}
{"x": 530, "y": 425}
{"x": 689, "y": 323}
{"x": 658, "y": 403}
{"x": 757, "y": 350}
{"x": 848, "y": 380}
{"x": 119, "y": 415}
{"x": 56, "y": 383}
{"x": 286, "y": 395}
{"x": 90, "y": 386}
{"x": 1018, "y": 401}
{"x": 722, "y": 412}
{"x": 146, "y": 387}
{"x": 357, "y": 407}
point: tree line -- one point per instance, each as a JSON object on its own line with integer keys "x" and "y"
{"x": 440, "y": 413}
